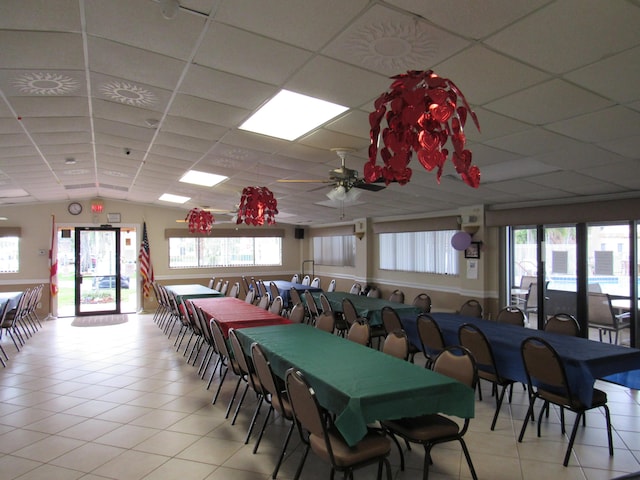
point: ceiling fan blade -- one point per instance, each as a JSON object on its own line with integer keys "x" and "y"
{"x": 293, "y": 180}
{"x": 371, "y": 187}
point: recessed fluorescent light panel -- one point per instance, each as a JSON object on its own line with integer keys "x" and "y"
{"x": 202, "y": 178}
{"x": 290, "y": 115}
{"x": 167, "y": 197}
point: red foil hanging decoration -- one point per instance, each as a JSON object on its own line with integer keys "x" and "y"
{"x": 200, "y": 221}
{"x": 257, "y": 206}
{"x": 422, "y": 112}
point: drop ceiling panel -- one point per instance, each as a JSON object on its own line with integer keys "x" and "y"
{"x": 463, "y": 17}
{"x": 549, "y": 102}
{"x": 207, "y": 111}
{"x": 36, "y": 50}
{"x": 601, "y": 126}
{"x": 226, "y": 88}
{"x": 549, "y": 40}
{"x": 484, "y": 75}
{"x": 288, "y": 20}
{"x": 249, "y": 55}
{"x": 337, "y": 82}
{"x": 133, "y": 64}
{"x": 141, "y": 25}
{"x": 553, "y": 83}
{"x": 614, "y": 77}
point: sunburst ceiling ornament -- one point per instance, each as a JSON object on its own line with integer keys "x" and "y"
{"x": 129, "y": 94}
{"x": 421, "y": 112}
{"x": 393, "y": 46}
{"x": 45, "y": 83}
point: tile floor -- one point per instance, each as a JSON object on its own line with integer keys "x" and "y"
{"x": 118, "y": 402}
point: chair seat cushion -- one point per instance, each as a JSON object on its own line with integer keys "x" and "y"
{"x": 373, "y": 445}
{"x": 599, "y": 399}
{"x": 423, "y": 429}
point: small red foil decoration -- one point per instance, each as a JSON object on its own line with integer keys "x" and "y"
{"x": 200, "y": 221}
{"x": 421, "y": 111}
{"x": 257, "y": 205}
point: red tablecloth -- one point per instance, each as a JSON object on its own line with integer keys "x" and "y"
{"x": 235, "y": 313}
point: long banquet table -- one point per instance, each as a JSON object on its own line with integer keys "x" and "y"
{"x": 359, "y": 384}
{"x": 367, "y": 307}
{"x": 284, "y": 287}
{"x": 585, "y": 360}
{"x": 11, "y": 297}
{"x": 235, "y": 313}
{"x": 191, "y": 291}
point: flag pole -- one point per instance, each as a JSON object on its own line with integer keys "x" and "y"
{"x": 53, "y": 270}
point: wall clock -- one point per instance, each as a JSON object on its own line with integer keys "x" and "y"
{"x": 75, "y": 208}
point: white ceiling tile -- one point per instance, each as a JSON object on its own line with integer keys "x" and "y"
{"x": 41, "y": 50}
{"x": 207, "y": 111}
{"x": 567, "y": 34}
{"x": 548, "y": 102}
{"x": 615, "y": 76}
{"x": 600, "y": 126}
{"x": 532, "y": 142}
{"x": 288, "y": 20}
{"x": 133, "y": 64}
{"x": 251, "y": 56}
{"x": 226, "y": 88}
{"x": 470, "y": 19}
{"x": 337, "y": 82}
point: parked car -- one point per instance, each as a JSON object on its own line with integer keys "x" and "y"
{"x": 110, "y": 282}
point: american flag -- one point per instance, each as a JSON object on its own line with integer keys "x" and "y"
{"x": 146, "y": 268}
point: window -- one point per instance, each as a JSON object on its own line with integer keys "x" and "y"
{"x": 428, "y": 252}
{"x": 9, "y": 254}
{"x": 202, "y": 252}
{"x": 335, "y": 250}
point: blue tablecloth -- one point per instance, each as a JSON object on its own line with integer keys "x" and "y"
{"x": 11, "y": 297}
{"x": 285, "y": 287}
{"x": 585, "y": 360}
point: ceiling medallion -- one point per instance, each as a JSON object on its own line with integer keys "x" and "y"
{"x": 393, "y": 46}
{"x": 128, "y": 94}
{"x": 45, "y": 83}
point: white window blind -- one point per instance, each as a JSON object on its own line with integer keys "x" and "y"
{"x": 428, "y": 252}
{"x": 335, "y": 250}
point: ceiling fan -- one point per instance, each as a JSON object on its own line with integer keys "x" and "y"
{"x": 343, "y": 180}
{"x": 233, "y": 213}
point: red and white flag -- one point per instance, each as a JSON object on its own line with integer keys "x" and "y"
{"x": 53, "y": 259}
{"x": 146, "y": 268}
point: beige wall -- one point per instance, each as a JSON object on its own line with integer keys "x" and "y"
{"x": 36, "y": 221}
{"x": 447, "y": 292}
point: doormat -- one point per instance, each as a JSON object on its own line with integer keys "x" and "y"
{"x": 100, "y": 320}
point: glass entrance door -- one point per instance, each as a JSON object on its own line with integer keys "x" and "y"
{"x": 98, "y": 281}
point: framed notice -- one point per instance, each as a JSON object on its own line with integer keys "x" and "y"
{"x": 113, "y": 217}
{"x": 473, "y": 250}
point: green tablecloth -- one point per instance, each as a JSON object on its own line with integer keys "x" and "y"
{"x": 367, "y": 307}
{"x": 192, "y": 291}
{"x": 359, "y": 384}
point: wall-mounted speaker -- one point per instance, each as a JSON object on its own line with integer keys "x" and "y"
{"x": 299, "y": 233}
